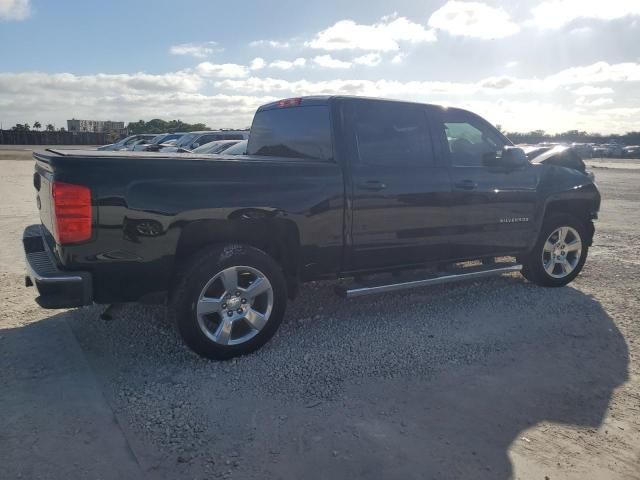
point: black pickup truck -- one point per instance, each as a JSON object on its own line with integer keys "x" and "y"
{"x": 331, "y": 187}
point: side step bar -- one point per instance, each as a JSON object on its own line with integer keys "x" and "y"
{"x": 446, "y": 277}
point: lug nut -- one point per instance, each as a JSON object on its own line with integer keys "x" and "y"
{"x": 224, "y": 305}
{"x": 244, "y": 300}
{"x": 237, "y": 294}
{"x": 230, "y": 313}
{"x": 239, "y": 310}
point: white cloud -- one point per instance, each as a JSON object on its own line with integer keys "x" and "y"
{"x": 376, "y": 88}
{"x": 232, "y": 96}
{"x": 503, "y": 99}
{"x": 586, "y": 30}
{"x": 511, "y": 64}
{"x": 599, "y": 72}
{"x": 369, "y": 60}
{"x": 288, "y": 65}
{"x": 269, "y": 43}
{"x": 257, "y": 63}
{"x": 53, "y": 98}
{"x": 15, "y": 9}
{"x": 473, "y": 19}
{"x": 557, "y": 13}
{"x": 384, "y": 36}
{"x": 589, "y": 90}
{"x": 597, "y": 102}
{"x": 100, "y": 84}
{"x": 399, "y": 58}
{"x": 327, "y": 61}
{"x": 225, "y": 70}
{"x": 197, "y": 50}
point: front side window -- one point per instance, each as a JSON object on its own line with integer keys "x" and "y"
{"x": 470, "y": 139}
{"x": 295, "y": 132}
{"x": 392, "y": 134}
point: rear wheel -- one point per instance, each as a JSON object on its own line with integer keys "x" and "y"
{"x": 229, "y": 301}
{"x": 559, "y": 253}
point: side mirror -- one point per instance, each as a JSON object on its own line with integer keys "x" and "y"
{"x": 194, "y": 145}
{"x": 514, "y": 157}
{"x": 509, "y": 157}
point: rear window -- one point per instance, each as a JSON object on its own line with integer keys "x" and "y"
{"x": 392, "y": 134}
{"x": 298, "y": 132}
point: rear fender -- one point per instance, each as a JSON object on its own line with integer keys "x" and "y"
{"x": 274, "y": 235}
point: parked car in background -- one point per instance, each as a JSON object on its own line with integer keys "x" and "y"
{"x": 127, "y": 142}
{"x": 155, "y": 144}
{"x": 218, "y": 146}
{"x": 599, "y": 151}
{"x": 608, "y": 150}
{"x": 239, "y": 148}
{"x": 193, "y": 140}
{"x": 585, "y": 150}
{"x": 632, "y": 151}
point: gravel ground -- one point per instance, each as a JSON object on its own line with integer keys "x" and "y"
{"x": 495, "y": 379}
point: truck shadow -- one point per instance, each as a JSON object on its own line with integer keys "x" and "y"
{"x": 434, "y": 383}
{"x": 542, "y": 356}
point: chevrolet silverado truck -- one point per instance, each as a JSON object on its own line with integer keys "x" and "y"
{"x": 383, "y": 195}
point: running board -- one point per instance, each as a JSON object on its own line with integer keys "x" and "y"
{"x": 445, "y": 277}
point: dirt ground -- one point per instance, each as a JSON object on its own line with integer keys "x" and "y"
{"x": 496, "y": 379}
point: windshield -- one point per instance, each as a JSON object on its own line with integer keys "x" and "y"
{"x": 186, "y": 140}
{"x": 239, "y": 148}
{"x": 127, "y": 140}
{"x": 214, "y": 147}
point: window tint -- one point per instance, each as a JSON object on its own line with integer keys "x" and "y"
{"x": 297, "y": 132}
{"x": 470, "y": 139}
{"x": 392, "y": 134}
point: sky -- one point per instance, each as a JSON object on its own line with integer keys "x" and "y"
{"x": 553, "y": 65}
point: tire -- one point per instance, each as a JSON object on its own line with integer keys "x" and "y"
{"x": 542, "y": 267}
{"x": 219, "y": 321}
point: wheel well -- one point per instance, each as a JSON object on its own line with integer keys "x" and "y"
{"x": 276, "y": 237}
{"x": 580, "y": 209}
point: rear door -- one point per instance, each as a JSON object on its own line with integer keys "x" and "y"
{"x": 492, "y": 207}
{"x": 399, "y": 186}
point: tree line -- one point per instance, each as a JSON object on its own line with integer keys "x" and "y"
{"x": 37, "y": 126}
{"x": 162, "y": 126}
{"x": 571, "y": 136}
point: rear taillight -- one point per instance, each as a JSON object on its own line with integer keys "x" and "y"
{"x": 72, "y": 213}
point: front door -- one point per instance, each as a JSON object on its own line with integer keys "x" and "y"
{"x": 494, "y": 205}
{"x": 399, "y": 189}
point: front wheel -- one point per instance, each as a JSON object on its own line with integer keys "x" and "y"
{"x": 229, "y": 301}
{"x": 559, "y": 253}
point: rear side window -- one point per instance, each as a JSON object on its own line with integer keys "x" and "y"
{"x": 297, "y": 132}
{"x": 392, "y": 134}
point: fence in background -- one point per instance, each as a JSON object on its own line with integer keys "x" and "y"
{"x": 20, "y": 137}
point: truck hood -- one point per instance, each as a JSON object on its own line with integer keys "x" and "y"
{"x": 561, "y": 156}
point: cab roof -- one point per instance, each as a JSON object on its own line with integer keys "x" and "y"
{"x": 318, "y": 100}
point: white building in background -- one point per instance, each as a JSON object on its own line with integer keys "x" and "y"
{"x": 95, "y": 126}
